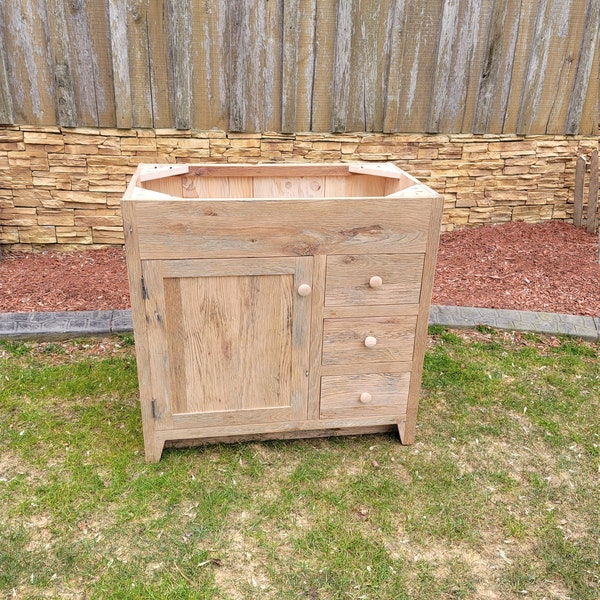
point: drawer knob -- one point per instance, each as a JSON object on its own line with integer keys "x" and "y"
{"x": 365, "y": 397}
{"x": 304, "y": 290}
{"x": 375, "y": 281}
{"x": 370, "y": 341}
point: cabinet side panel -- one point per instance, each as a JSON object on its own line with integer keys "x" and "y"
{"x": 407, "y": 429}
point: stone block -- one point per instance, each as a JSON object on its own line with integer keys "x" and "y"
{"x": 108, "y": 235}
{"x": 72, "y": 199}
{"x": 74, "y": 235}
{"x": 9, "y": 235}
{"x": 58, "y": 216}
{"x": 39, "y": 234}
{"x": 107, "y": 217}
{"x": 30, "y": 197}
{"x": 21, "y": 217}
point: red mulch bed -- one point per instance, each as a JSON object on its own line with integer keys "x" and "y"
{"x": 550, "y": 266}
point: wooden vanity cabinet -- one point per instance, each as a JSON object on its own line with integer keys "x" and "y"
{"x": 278, "y": 300}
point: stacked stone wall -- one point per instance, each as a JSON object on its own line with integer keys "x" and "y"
{"x": 61, "y": 188}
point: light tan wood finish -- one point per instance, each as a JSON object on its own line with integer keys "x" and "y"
{"x": 344, "y": 340}
{"x": 372, "y": 394}
{"x": 265, "y": 306}
{"x": 349, "y": 279}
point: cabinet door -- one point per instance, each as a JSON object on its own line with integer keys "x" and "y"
{"x": 228, "y": 339}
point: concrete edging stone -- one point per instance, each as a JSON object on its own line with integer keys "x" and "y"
{"x": 61, "y": 325}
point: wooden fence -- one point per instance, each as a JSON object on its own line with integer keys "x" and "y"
{"x": 473, "y": 66}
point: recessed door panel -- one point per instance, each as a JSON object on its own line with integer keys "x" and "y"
{"x": 236, "y": 333}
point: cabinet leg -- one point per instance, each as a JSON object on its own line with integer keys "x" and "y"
{"x": 153, "y": 450}
{"x": 407, "y": 434}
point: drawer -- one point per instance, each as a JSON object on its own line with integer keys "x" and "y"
{"x": 368, "y": 340}
{"x": 353, "y": 279}
{"x": 365, "y": 395}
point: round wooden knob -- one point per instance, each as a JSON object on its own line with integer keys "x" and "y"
{"x": 365, "y": 397}
{"x": 375, "y": 281}
{"x": 304, "y": 290}
{"x": 370, "y": 341}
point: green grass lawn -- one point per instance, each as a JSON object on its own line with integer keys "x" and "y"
{"x": 497, "y": 499}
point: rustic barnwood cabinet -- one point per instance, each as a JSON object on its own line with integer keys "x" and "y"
{"x": 278, "y": 300}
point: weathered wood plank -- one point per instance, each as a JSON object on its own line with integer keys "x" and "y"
{"x": 458, "y": 38}
{"x": 117, "y": 14}
{"x": 6, "y": 103}
{"x": 368, "y": 65}
{"x": 580, "y": 169}
{"x": 290, "y": 65}
{"x": 66, "y": 112}
{"x": 560, "y": 93}
{"x": 491, "y": 102}
{"x": 583, "y": 83}
{"x": 324, "y": 49}
{"x": 211, "y": 51}
{"x": 305, "y": 71}
{"x": 548, "y": 67}
{"x": 525, "y": 26}
{"x": 255, "y": 58}
{"x": 138, "y": 58}
{"x": 180, "y": 63}
{"x": 28, "y": 67}
{"x": 161, "y": 80}
{"x": 414, "y": 47}
{"x": 592, "y": 209}
{"x": 87, "y": 32}
{"x": 342, "y": 55}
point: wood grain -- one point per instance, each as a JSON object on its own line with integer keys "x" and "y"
{"x": 482, "y": 66}
{"x": 348, "y": 276}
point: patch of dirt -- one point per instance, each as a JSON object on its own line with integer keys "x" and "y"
{"x": 550, "y": 266}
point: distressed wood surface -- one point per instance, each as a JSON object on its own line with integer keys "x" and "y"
{"x": 592, "y": 209}
{"x": 580, "y": 169}
{"x": 471, "y": 66}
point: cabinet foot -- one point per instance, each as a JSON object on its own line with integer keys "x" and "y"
{"x": 153, "y": 450}
{"x": 407, "y": 434}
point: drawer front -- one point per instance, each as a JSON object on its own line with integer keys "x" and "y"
{"x": 373, "y": 279}
{"x": 366, "y": 395}
{"x": 368, "y": 340}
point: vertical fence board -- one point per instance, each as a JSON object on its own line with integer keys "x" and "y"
{"x": 66, "y": 112}
{"x": 305, "y": 56}
{"x": 526, "y": 20}
{"x": 180, "y": 63}
{"x": 117, "y": 15}
{"x": 270, "y": 52}
{"x": 458, "y": 36}
{"x": 29, "y": 71}
{"x": 211, "y": 50}
{"x": 588, "y": 51}
{"x": 414, "y": 46}
{"x": 321, "y": 109}
{"x": 6, "y": 106}
{"x": 548, "y": 68}
{"x": 138, "y": 58}
{"x": 158, "y": 56}
{"x": 475, "y": 64}
{"x": 580, "y": 169}
{"x": 368, "y": 65}
{"x": 592, "y": 208}
{"x": 255, "y": 51}
{"x": 341, "y": 66}
{"x": 494, "y": 84}
{"x": 560, "y": 94}
{"x": 290, "y": 65}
